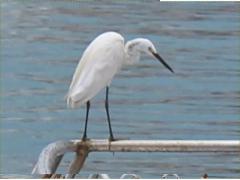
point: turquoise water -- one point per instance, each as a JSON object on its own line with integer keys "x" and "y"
{"x": 41, "y": 43}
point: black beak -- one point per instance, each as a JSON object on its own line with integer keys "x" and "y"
{"x": 162, "y": 61}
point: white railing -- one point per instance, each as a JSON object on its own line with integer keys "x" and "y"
{"x": 52, "y": 154}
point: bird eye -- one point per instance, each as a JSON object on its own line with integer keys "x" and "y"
{"x": 150, "y": 49}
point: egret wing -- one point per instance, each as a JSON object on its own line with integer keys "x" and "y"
{"x": 100, "y": 62}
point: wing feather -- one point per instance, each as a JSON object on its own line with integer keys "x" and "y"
{"x": 100, "y": 62}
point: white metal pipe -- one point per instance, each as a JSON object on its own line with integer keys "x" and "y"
{"x": 51, "y": 155}
{"x": 164, "y": 145}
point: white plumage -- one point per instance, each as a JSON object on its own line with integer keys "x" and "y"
{"x": 96, "y": 68}
{"x": 102, "y": 59}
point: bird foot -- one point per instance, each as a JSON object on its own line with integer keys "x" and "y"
{"x": 117, "y": 139}
{"x": 84, "y": 139}
{"x": 111, "y": 139}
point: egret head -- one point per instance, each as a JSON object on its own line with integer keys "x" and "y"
{"x": 141, "y": 45}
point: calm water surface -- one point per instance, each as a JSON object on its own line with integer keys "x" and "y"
{"x": 41, "y": 43}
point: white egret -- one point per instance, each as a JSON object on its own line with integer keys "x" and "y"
{"x": 101, "y": 60}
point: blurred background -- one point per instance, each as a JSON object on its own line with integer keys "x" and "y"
{"x": 41, "y": 44}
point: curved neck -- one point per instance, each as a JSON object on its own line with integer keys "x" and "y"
{"x": 132, "y": 54}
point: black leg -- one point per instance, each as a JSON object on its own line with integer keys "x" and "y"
{"x": 84, "y": 138}
{"x": 111, "y": 138}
